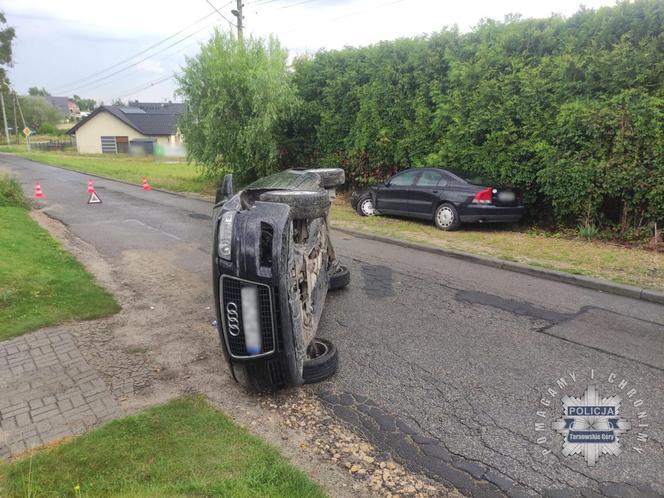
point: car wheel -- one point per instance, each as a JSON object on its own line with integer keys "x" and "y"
{"x": 322, "y": 361}
{"x": 329, "y": 177}
{"x": 447, "y": 217}
{"x": 365, "y": 206}
{"x": 339, "y": 279}
{"x": 304, "y": 204}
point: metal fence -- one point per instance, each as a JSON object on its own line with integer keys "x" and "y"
{"x": 53, "y": 145}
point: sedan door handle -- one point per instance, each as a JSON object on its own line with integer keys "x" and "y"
{"x": 435, "y": 191}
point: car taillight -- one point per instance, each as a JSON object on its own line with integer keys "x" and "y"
{"x": 484, "y": 196}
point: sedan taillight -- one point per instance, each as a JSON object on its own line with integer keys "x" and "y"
{"x": 484, "y": 196}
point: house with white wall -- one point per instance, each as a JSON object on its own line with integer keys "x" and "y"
{"x": 112, "y": 129}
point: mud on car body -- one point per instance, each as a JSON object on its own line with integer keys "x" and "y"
{"x": 273, "y": 263}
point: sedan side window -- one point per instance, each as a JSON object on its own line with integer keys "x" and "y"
{"x": 429, "y": 179}
{"x": 404, "y": 179}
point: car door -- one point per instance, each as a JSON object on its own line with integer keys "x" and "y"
{"x": 394, "y": 196}
{"x": 425, "y": 193}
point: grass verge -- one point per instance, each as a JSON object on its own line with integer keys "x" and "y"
{"x": 40, "y": 283}
{"x": 176, "y": 176}
{"x": 595, "y": 259}
{"x": 183, "y": 448}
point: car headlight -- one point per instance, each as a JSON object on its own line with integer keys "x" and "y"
{"x": 225, "y": 235}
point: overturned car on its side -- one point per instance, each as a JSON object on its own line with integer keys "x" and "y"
{"x": 273, "y": 263}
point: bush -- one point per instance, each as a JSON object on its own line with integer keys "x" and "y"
{"x": 48, "y": 129}
{"x": 570, "y": 111}
{"x": 11, "y": 193}
{"x": 588, "y": 231}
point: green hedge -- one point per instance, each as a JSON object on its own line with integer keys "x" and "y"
{"x": 569, "y": 110}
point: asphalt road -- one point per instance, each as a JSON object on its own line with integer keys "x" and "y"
{"x": 444, "y": 363}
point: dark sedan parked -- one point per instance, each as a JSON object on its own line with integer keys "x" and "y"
{"x": 448, "y": 197}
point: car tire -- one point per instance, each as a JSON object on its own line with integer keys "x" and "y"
{"x": 329, "y": 177}
{"x": 304, "y": 204}
{"x": 365, "y": 205}
{"x": 324, "y": 365}
{"x": 446, "y": 217}
{"x": 339, "y": 279}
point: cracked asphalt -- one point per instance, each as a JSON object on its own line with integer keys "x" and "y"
{"x": 446, "y": 364}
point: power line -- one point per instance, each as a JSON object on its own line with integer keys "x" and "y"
{"x": 139, "y": 61}
{"x": 133, "y": 71}
{"x": 219, "y": 12}
{"x": 140, "y": 89}
{"x": 296, "y": 4}
{"x": 260, "y": 2}
{"x": 97, "y": 73}
{"x": 351, "y": 14}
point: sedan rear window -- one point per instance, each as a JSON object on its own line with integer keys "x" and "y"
{"x": 472, "y": 178}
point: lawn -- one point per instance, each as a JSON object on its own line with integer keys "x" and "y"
{"x": 178, "y": 176}
{"x": 595, "y": 259}
{"x": 40, "y": 283}
{"x": 183, "y": 448}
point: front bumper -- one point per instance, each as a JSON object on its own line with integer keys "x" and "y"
{"x": 259, "y": 261}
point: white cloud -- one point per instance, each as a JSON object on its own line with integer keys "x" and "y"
{"x": 151, "y": 67}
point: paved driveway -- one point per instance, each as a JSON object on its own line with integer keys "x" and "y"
{"x": 444, "y": 363}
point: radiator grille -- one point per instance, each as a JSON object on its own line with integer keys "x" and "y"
{"x": 231, "y": 293}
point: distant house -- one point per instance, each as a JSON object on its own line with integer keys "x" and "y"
{"x": 65, "y": 105}
{"x": 112, "y": 129}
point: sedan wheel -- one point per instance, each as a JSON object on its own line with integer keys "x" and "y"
{"x": 366, "y": 206}
{"x": 447, "y": 217}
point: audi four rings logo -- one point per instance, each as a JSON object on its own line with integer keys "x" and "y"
{"x": 233, "y": 319}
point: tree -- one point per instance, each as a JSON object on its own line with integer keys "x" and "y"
{"x": 238, "y": 97}
{"x": 84, "y": 104}
{"x": 119, "y": 102}
{"x": 7, "y": 35}
{"x": 38, "y": 112}
{"x": 38, "y": 92}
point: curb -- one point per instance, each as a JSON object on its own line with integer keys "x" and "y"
{"x": 556, "y": 276}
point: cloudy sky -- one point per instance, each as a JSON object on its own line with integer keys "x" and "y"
{"x": 102, "y": 50}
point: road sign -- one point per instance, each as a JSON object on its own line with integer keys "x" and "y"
{"x": 27, "y": 131}
{"x": 94, "y": 198}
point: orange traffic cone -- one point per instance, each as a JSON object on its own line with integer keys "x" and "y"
{"x": 90, "y": 187}
{"x": 38, "y": 191}
{"x": 145, "y": 184}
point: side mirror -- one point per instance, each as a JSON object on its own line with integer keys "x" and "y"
{"x": 225, "y": 190}
{"x": 387, "y": 183}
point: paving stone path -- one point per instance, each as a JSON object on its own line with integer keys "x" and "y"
{"x": 47, "y": 392}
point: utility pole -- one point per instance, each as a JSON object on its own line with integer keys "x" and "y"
{"x": 20, "y": 111}
{"x": 4, "y": 116}
{"x": 15, "y": 120}
{"x": 238, "y": 14}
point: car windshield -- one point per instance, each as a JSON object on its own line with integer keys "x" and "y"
{"x": 472, "y": 178}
